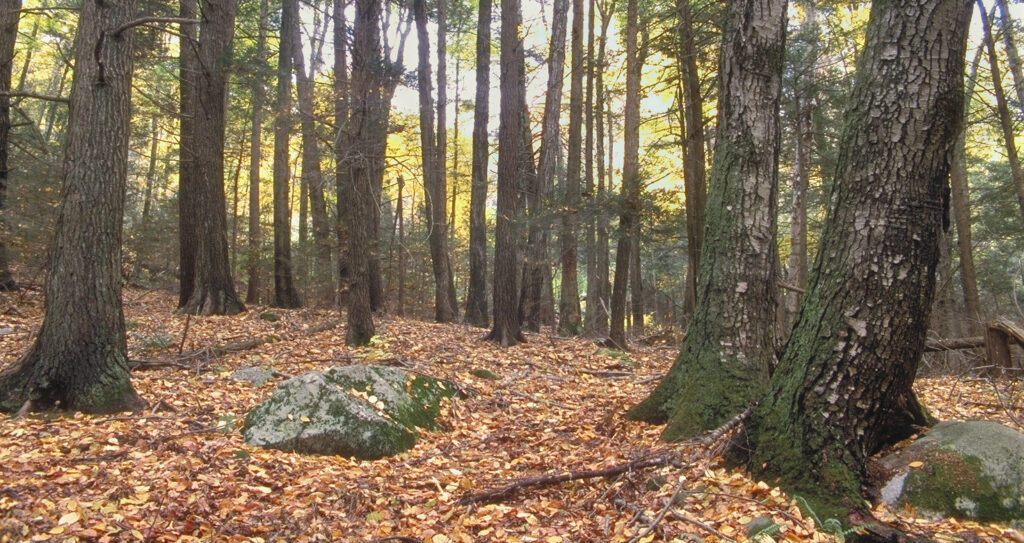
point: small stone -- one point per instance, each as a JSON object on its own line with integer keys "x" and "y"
{"x": 759, "y": 525}
{"x": 255, "y": 375}
{"x": 270, "y": 317}
{"x": 485, "y": 374}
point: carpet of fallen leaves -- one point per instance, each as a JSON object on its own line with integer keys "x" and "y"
{"x": 180, "y": 471}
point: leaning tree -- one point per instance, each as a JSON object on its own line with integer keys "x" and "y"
{"x": 79, "y": 359}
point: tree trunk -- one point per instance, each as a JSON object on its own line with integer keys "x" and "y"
{"x": 10, "y": 12}
{"x": 476, "y": 301}
{"x": 694, "y": 180}
{"x": 433, "y": 176}
{"x": 842, "y": 389}
{"x": 259, "y": 92}
{"x": 636, "y": 283}
{"x": 285, "y": 294}
{"x": 341, "y": 142}
{"x": 539, "y": 195}
{"x": 1012, "y": 56}
{"x": 214, "y": 292}
{"x": 506, "y": 327}
{"x": 961, "y": 201}
{"x": 630, "y": 180}
{"x": 588, "y": 175}
{"x": 189, "y": 186}
{"x": 442, "y": 151}
{"x": 364, "y": 126}
{"x": 596, "y": 319}
{"x": 1005, "y": 120}
{"x": 311, "y": 174}
{"x": 729, "y": 348}
{"x": 79, "y": 359}
{"x": 569, "y": 321}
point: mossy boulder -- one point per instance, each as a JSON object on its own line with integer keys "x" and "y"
{"x": 969, "y": 470}
{"x": 254, "y": 375}
{"x": 367, "y": 412}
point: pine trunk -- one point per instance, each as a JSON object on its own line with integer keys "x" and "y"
{"x": 961, "y": 201}
{"x": 189, "y": 187}
{"x": 729, "y": 348}
{"x": 569, "y": 318}
{"x": 10, "y": 12}
{"x": 341, "y": 143}
{"x": 364, "y": 126}
{"x": 588, "y": 175}
{"x": 694, "y": 179}
{"x": 259, "y": 93}
{"x": 596, "y": 319}
{"x": 476, "y": 301}
{"x": 506, "y": 328}
{"x": 214, "y": 292}
{"x": 79, "y": 359}
{"x": 285, "y": 293}
{"x": 843, "y": 386}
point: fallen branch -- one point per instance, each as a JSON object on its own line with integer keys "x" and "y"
{"x": 215, "y": 351}
{"x": 954, "y": 344}
{"x": 610, "y": 374}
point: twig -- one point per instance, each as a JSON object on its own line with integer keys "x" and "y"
{"x": 150, "y": 20}
{"x": 184, "y": 334}
{"x": 679, "y": 516}
{"x": 651, "y": 379}
{"x": 45, "y": 97}
{"x": 607, "y": 373}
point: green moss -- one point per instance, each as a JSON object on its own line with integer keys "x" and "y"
{"x": 953, "y": 484}
{"x": 485, "y": 374}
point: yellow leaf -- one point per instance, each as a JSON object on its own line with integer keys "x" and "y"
{"x": 57, "y": 530}
{"x": 916, "y": 464}
{"x": 69, "y": 518}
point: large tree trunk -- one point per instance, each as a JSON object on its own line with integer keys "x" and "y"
{"x": 476, "y": 301}
{"x": 842, "y": 389}
{"x": 10, "y": 12}
{"x": 569, "y": 321}
{"x": 694, "y": 180}
{"x": 259, "y": 93}
{"x": 630, "y": 180}
{"x": 1005, "y": 120}
{"x": 729, "y": 348}
{"x": 189, "y": 187}
{"x": 433, "y": 176}
{"x": 312, "y": 175}
{"x": 214, "y": 292}
{"x": 442, "y": 150}
{"x": 506, "y": 326}
{"x": 79, "y": 359}
{"x": 595, "y": 322}
{"x": 590, "y": 221}
{"x": 285, "y": 293}
{"x": 364, "y": 125}
{"x": 341, "y": 142}
{"x": 961, "y": 200}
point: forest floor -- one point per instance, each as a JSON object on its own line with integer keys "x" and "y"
{"x": 180, "y": 471}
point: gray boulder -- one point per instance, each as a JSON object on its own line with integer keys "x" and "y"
{"x": 970, "y": 470}
{"x": 254, "y": 375}
{"x": 367, "y": 412}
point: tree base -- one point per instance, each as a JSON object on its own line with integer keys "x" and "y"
{"x": 214, "y": 302}
{"x": 505, "y": 338}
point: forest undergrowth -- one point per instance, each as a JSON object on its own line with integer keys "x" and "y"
{"x": 180, "y": 471}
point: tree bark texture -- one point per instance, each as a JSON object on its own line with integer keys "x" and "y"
{"x": 259, "y": 94}
{"x": 506, "y": 327}
{"x": 312, "y": 175}
{"x": 476, "y": 300}
{"x": 961, "y": 201}
{"x": 341, "y": 142}
{"x": 285, "y": 293}
{"x": 189, "y": 187}
{"x": 214, "y": 291}
{"x": 729, "y": 349}
{"x": 630, "y": 180}
{"x": 569, "y": 318}
{"x": 694, "y": 176}
{"x": 590, "y": 222}
{"x": 433, "y": 176}
{"x": 842, "y": 389}
{"x": 1003, "y": 109}
{"x": 79, "y": 359}
{"x": 595, "y": 323}
{"x": 365, "y": 124}
{"x": 10, "y": 12}
{"x": 442, "y": 150}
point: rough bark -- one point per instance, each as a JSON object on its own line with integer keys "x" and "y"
{"x": 569, "y": 318}
{"x": 1003, "y": 109}
{"x": 214, "y": 292}
{"x": 341, "y": 142}
{"x": 364, "y": 125}
{"x": 590, "y": 222}
{"x": 961, "y": 200}
{"x": 433, "y": 176}
{"x": 312, "y": 175}
{"x": 506, "y": 327}
{"x": 10, "y": 11}
{"x": 285, "y": 293}
{"x": 189, "y": 188}
{"x": 843, "y": 386}
{"x": 442, "y": 151}
{"x": 630, "y": 189}
{"x": 694, "y": 177}
{"x": 476, "y": 300}
{"x": 729, "y": 348}
{"x": 259, "y": 94}
{"x": 79, "y": 359}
